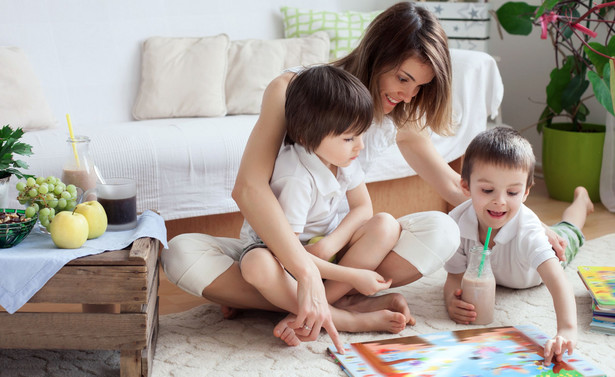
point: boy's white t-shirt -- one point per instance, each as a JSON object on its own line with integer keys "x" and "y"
{"x": 308, "y": 192}
{"x": 521, "y": 246}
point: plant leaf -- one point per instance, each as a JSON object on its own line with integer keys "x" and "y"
{"x": 597, "y": 60}
{"x": 602, "y": 87}
{"x": 545, "y": 6}
{"x": 516, "y": 17}
{"x": 559, "y": 81}
{"x": 545, "y": 119}
{"x": 571, "y": 96}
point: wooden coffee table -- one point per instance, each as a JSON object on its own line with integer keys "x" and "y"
{"x": 126, "y": 277}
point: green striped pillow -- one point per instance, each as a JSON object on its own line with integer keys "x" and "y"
{"x": 345, "y": 29}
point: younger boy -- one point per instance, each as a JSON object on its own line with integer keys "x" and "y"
{"x": 315, "y": 175}
{"x": 497, "y": 174}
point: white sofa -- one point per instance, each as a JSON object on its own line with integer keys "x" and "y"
{"x": 87, "y": 56}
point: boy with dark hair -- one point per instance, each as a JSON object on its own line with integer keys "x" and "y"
{"x": 315, "y": 175}
{"x": 497, "y": 175}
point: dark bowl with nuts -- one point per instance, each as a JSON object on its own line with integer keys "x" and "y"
{"x": 14, "y": 226}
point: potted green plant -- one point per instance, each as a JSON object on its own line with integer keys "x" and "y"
{"x": 581, "y": 33}
{"x": 10, "y": 146}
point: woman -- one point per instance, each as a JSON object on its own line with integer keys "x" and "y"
{"x": 404, "y": 61}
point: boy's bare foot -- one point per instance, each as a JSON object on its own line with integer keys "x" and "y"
{"x": 394, "y": 302}
{"x": 580, "y": 193}
{"x": 284, "y": 332}
{"x": 380, "y": 320}
{"x": 228, "y": 312}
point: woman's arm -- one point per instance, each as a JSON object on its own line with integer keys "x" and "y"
{"x": 261, "y": 209}
{"x": 361, "y": 211}
{"x": 553, "y": 276}
{"x": 420, "y": 153}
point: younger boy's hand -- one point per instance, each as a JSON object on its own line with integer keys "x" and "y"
{"x": 555, "y": 348}
{"x": 369, "y": 282}
{"x": 460, "y": 311}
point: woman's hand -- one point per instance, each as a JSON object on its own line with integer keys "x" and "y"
{"x": 313, "y": 312}
{"x": 558, "y": 243}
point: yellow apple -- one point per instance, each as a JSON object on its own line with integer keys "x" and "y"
{"x": 95, "y": 215}
{"x": 69, "y": 230}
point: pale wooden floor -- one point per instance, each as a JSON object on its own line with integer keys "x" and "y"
{"x": 601, "y": 222}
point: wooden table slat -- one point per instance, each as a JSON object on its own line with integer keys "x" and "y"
{"x": 95, "y": 285}
{"x": 73, "y": 331}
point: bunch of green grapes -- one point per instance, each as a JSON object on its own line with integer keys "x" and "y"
{"x": 46, "y": 196}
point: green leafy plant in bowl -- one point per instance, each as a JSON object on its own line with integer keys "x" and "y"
{"x": 15, "y": 226}
{"x": 10, "y": 146}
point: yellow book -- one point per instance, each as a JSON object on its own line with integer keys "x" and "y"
{"x": 600, "y": 282}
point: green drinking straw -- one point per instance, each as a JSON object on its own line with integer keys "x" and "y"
{"x": 482, "y": 259}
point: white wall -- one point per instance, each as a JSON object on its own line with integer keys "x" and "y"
{"x": 525, "y": 61}
{"x": 525, "y": 64}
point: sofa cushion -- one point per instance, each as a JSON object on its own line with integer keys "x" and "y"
{"x": 22, "y": 102}
{"x": 345, "y": 29}
{"x": 182, "y": 77}
{"x": 254, "y": 63}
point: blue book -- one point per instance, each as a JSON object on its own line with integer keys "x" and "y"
{"x": 495, "y": 351}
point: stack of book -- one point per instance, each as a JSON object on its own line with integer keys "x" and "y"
{"x": 600, "y": 282}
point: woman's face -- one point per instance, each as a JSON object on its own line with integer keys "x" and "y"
{"x": 402, "y": 83}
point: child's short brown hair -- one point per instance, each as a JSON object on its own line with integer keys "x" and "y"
{"x": 501, "y": 146}
{"x": 324, "y": 100}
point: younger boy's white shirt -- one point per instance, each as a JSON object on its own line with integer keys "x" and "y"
{"x": 521, "y": 245}
{"x": 308, "y": 192}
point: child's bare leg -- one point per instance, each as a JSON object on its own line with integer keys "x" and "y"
{"x": 576, "y": 213}
{"x": 263, "y": 271}
{"x": 368, "y": 247}
{"x": 233, "y": 293}
{"x": 379, "y": 320}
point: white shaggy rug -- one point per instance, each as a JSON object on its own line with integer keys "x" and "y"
{"x": 199, "y": 342}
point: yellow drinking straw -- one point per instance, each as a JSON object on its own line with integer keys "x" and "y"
{"x": 72, "y": 137}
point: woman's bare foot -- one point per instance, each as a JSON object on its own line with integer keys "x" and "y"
{"x": 284, "y": 332}
{"x": 379, "y": 320}
{"x": 394, "y": 302}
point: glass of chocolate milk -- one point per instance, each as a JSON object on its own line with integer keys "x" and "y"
{"x": 478, "y": 285}
{"x": 118, "y": 196}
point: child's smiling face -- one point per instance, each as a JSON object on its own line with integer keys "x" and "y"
{"x": 497, "y": 193}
